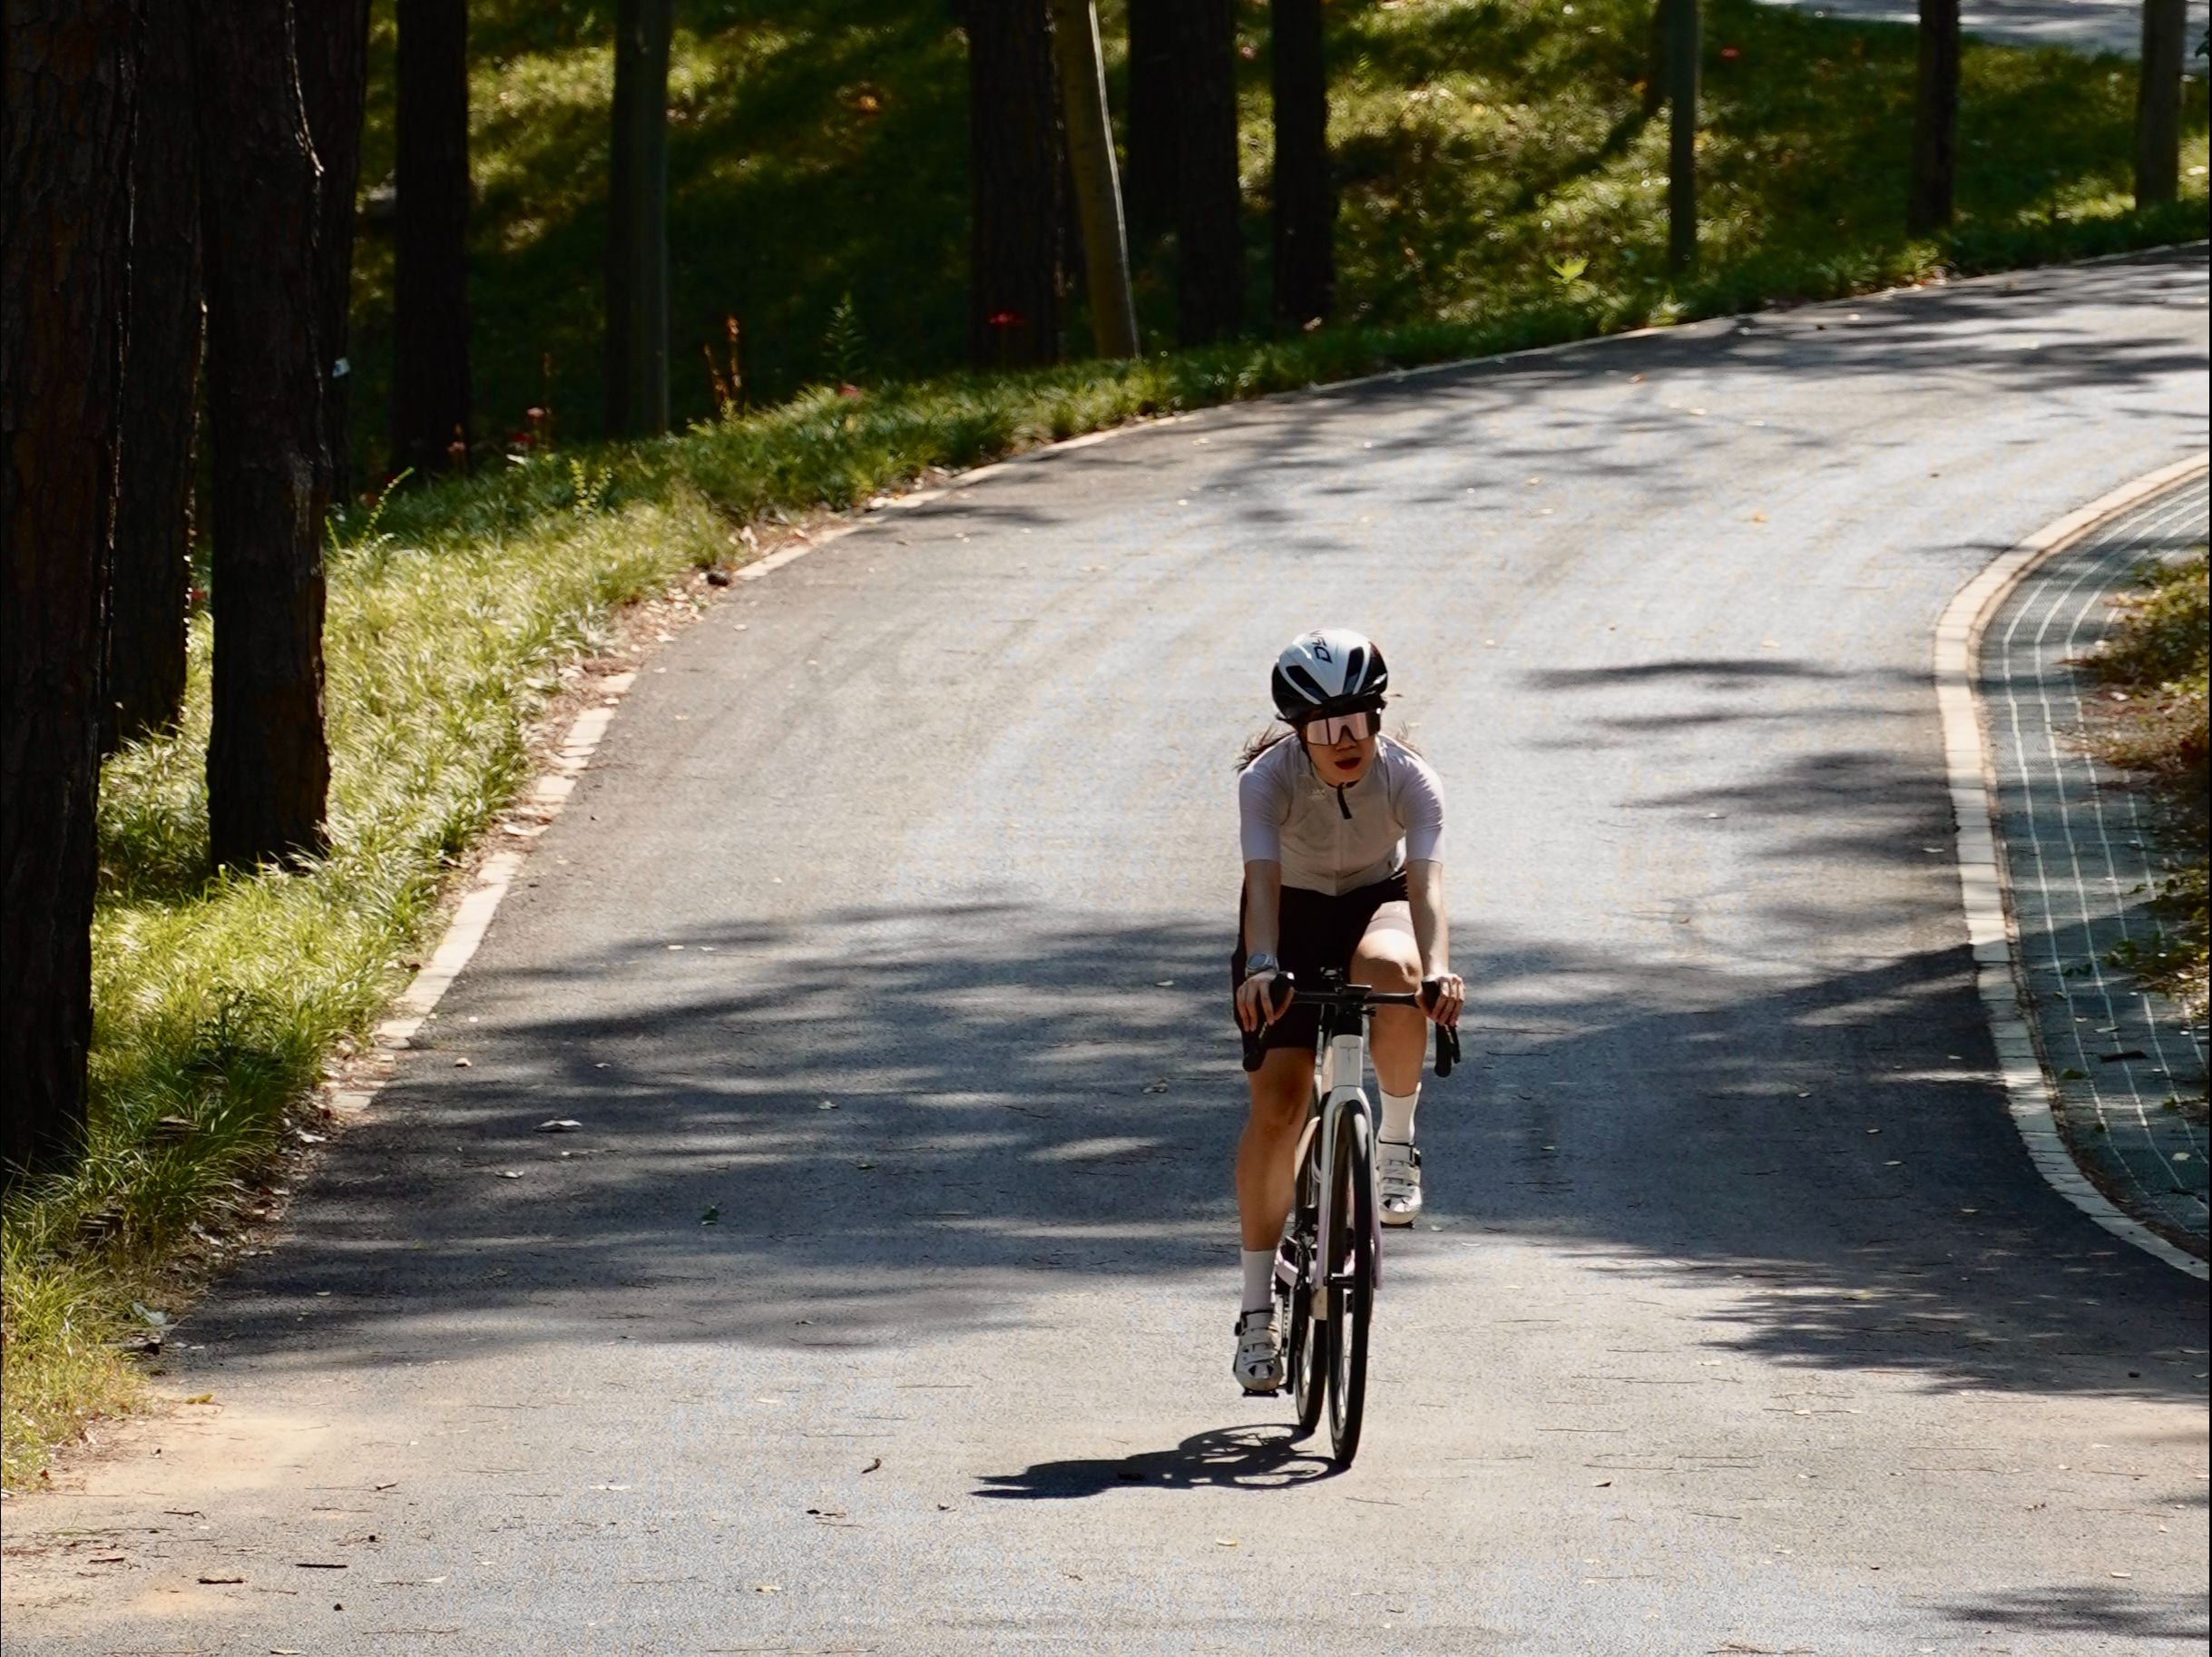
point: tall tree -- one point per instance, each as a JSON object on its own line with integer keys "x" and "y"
{"x": 1655, "y": 58}
{"x": 1935, "y": 119}
{"x": 67, "y": 88}
{"x": 1095, "y": 186}
{"x": 430, "y": 379}
{"x": 1208, "y": 236}
{"x": 151, "y": 579}
{"x": 1305, "y": 194}
{"x": 1014, "y": 175}
{"x": 2158, "y": 101}
{"x": 269, "y": 769}
{"x": 333, "y": 83}
{"x": 1683, "y": 52}
{"x": 637, "y": 222}
{"x": 1149, "y": 187}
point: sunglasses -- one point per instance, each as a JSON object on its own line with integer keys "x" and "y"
{"x": 1348, "y": 727}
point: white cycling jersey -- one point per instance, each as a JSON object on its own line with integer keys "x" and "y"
{"x": 1334, "y": 840}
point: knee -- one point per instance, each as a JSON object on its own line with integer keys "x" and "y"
{"x": 1395, "y": 974}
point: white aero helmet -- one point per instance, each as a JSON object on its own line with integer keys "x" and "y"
{"x": 1327, "y": 673}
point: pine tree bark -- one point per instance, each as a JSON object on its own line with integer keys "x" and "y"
{"x": 2158, "y": 103}
{"x": 152, "y": 576}
{"x": 637, "y": 222}
{"x": 430, "y": 374}
{"x": 1935, "y": 119}
{"x": 1015, "y": 173}
{"x": 1305, "y": 194}
{"x": 67, "y": 91}
{"x": 269, "y": 769}
{"x": 1209, "y": 239}
{"x": 1149, "y": 187}
{"x": 333, "y": 84}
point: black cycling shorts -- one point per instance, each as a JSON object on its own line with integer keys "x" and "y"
{"x": 1317, "y": 932}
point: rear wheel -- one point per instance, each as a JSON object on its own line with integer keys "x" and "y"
{"x": 1350, "y": 1259}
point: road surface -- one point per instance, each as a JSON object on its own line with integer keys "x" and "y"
{"x": 882, "y": 1302}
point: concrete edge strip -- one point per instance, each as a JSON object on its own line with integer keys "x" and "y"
{"x": 1982, "y": 885}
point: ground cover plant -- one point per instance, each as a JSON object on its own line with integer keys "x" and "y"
{"x": 1500, "y": 189}
{"x": 2157, "y": 659}
{"x": 1490, "y": 156}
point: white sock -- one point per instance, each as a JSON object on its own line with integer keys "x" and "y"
{"x": 1398, "y": 1116}
{"x": 1258, "y": 1279}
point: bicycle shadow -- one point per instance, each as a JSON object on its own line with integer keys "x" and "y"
{"x": 1263, "y": 1456}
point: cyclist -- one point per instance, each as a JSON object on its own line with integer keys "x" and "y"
{"x": 1343, "y": 837}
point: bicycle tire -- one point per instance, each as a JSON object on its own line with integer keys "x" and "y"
{"x": 1306, "y": 1344}
{"x": 1351, "y": 1256}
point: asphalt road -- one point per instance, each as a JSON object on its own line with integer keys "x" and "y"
{"x": 2084, "y": 25}
{"x": 1739, "y": 1322}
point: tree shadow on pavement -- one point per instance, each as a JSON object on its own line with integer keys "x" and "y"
{"x": 1226, "y": 1458}
{"x": 2087, "y": 1608}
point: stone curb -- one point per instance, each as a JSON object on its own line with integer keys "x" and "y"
{"x": 1982, "y": 872}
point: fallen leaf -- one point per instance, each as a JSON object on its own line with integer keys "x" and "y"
{"x": 319, "y": 1565}
{"x": 462, "y": 1064}
{"x": 201, "y": 1397}
{"x": 1226, "y": 1542}
{"x": 713, "y": 1216}
{"x": 1600, "y": 1483}
{"x": 873, "y": 1466}
{"x": 767, "y": 1587}
{"x": 560, "y": 1125}
{"x": 218, "y": 1579}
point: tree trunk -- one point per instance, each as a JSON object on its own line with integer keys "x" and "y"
{"x": 269, "y": 770}
{"x": 1655, "y": 57}
{"x": 1209, "y": 241}
{"x": 67, "y": 90}
{"x": 1683, "y": 52}
{"x": 151, "y": 576}
{"x": 637, "y": 222}
{"x": 1151, "y": 127}
{"x": 1935, "y": 119}
{"x": 1097, "y": 190}
{"x": 2158, "y": 104}
{"x": 430, "y": 380}
{"x": 333, "y": 82}
{"x": 1305, "y": 195}
{"x": 1014, "y": 180}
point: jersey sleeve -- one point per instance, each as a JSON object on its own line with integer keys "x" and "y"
{"x": 1262, "y": 806}
{"x": 1421, "y": 808}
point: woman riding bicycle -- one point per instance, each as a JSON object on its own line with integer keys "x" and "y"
{"x": 1343, "y": 834}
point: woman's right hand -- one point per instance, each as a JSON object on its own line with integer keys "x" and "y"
{"x": 1257, "y": 1001}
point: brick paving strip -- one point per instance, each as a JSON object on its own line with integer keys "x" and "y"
{"x": 2122, "y": 1065}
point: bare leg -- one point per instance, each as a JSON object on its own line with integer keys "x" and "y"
{"x": 1281, "y": 1088}
{"x": 1386, "y": 960}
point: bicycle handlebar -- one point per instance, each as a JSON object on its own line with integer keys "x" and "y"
{"x": 1359, "y": 996}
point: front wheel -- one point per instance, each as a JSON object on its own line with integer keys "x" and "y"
{"x": 1350, "y": 1260}
{"x": 1306, "y": 1337}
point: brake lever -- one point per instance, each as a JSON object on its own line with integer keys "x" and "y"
{"x": 1254, "y": 1049}
{"x": 1447, "y": 1036}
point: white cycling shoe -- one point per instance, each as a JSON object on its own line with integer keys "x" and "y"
{"x": 1258, "y": 1367}
{"x": 1397, "y": 1172}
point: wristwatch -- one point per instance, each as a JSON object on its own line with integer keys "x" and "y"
{"x": 1261, "y": 961}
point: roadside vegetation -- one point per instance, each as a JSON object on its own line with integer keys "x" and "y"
{"x": 1501, "y": 188}
{"x": 2154, "y": 666}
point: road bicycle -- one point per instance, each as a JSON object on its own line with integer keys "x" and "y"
{"x": 1330, "y": 1260}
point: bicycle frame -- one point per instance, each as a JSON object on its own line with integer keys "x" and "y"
{"x": 1341, "y": 1051}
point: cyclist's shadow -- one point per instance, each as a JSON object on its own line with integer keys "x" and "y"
{"x": 1257, "y": 1457}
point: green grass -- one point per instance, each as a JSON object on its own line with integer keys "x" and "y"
{"x": 818, "y": 150}
{"x": 2159, "y": 656}
{"x": 1500, "y": 191}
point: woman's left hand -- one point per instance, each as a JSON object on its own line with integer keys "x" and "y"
{"x": 1451, "y": 995}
